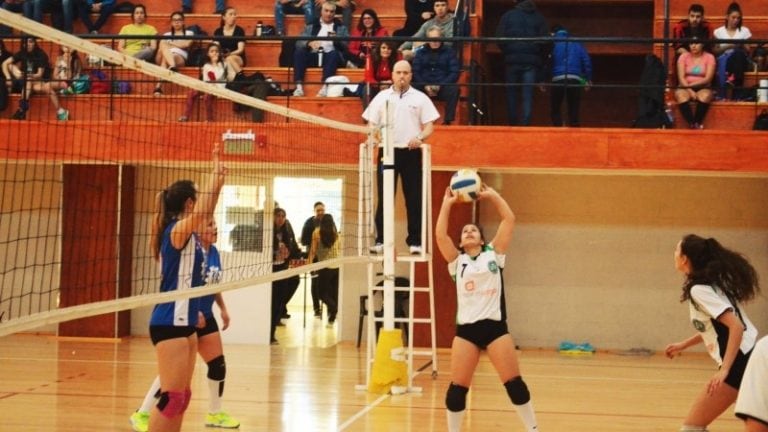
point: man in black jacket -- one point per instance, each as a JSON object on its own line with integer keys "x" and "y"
{"x": 284, "y": 249}
{"x": 436, "y": 71}
{"x": 523, "y": 59}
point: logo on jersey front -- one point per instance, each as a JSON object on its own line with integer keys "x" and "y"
{"x": 493, "y": 267}
{"x": 698, "y": 325}
{"x": 469, "y": 285}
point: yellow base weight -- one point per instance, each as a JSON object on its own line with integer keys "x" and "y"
{"x": 389, "y": 366}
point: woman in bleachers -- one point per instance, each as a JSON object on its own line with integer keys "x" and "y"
{"x": 214, "y": 72}
{"x": 66, "y": 67}
{"x": 383, "y": 60}
{"x": 695, "y": 72}
{"x": 232, "y": 47}
{"x": 732, "y": 58}
{"x": 29, "y": 71}
{"x": 368, "y": 26}
{"x": 141, "y": 48}
{"x": 172, "y": 53}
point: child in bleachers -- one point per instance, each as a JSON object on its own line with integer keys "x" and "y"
{"x": 215, "y": 73}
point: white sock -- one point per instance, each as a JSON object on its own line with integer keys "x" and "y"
{"x": 299, "y": 86}
{"x": 149, "y": 398}
{"x": 525, "y": 411}
{"x": 214, "y": 400}
{"x": 454, "y": 420}
{"x": 60, "y": 110}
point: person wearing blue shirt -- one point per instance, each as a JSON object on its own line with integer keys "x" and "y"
{"x": 571, "y": 75}
{"x": 180, "y": 212}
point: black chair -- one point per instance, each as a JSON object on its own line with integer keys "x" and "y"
{"x": 401, "y": 309}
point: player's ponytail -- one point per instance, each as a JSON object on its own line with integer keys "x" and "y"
{"x": 169, "y": 204}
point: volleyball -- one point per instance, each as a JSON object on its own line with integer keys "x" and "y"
{"x": 465, "y": 183}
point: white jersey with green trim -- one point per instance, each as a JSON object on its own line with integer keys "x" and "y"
{"x": 478, "y": 285}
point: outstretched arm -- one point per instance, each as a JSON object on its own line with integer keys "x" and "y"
{"x": 206, "y": 204}
{"x": 444, "y": 242}
{"x": 507, "y": 225}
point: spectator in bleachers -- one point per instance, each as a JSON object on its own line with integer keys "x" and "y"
{"x": 417, "y": 12}
{"x": 695, "y": 72}
{"x": 436, "y": 72}
{"x": 16, "y": 6}
{"x": 343, "y": 7}
{"x": 232, "y": 48}
{"x": 522, "y": 60}
{"x": 760, "y": 60}
{"x": 383, "y": 61}
{"x": 327, "y": 54}
{"x": 143, "y": 47}
{"x": 571, "y": 75}
{"x": 215, "y": 73}
{"x": 443, "y": 18}
{"x": 293, "y": 7}
{"x": 368, "y": 26}
{"x": 29, "y": 71}
{"x": 221, "y": 6}
{"x": 172, "y": 53}
{"x": 732, "y": 58}
{"x": 102, "y": 7}
{"x": 694, "y": 24}
{"x": 67, "y": 66}
{"x": 61, "y": 12}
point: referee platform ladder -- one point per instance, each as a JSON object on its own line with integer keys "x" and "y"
{"x": 426, "y": 316}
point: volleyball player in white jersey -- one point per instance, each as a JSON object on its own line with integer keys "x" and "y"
{"x": 752, "y": 403}
{"x": 476, "y": 267}
{"x": 717, "y": 282}
{"x": 181, "y": 211}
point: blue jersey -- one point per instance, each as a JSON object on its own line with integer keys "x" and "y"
{"x": 182, "y": 269}
{"x": 212, "y": 276}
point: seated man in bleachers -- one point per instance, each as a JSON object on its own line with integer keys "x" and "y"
{"x": 442, "y": 19}
{"x": 323, "y": 53}
{"x": 61, "y": 12}
{"x": 695, "y": 24}
{"x": 102, "y": 7}
{"x": 436, "y": 71}
{"x": 293, "y": 7}
{"x": 343, "y": 7}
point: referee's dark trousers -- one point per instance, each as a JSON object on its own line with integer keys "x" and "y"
{"x": 408, "y": 168}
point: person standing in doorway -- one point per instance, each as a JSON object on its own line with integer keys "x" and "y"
{"x": 306, "y": 241}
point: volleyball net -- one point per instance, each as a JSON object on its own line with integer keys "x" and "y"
{"x": 78, "y": 190}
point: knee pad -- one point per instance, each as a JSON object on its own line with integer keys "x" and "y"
{"x": 217, "y": 369}
{"x": 456, "y": 397}
{"x": 172, "y": 404}
{"x": 517, "y": 391}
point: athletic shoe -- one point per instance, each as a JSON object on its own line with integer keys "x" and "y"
{"x": 378, "y": 248}
{"x": 20, "y": 114}
{"x": 63, "y": 115}
{"x": 221, "y": 420}
{"x": 140, "y": 421}
{"x": 415, "y": 250}
{"x": 298, "y": 92}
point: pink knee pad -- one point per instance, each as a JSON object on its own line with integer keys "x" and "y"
{"x": 172, "y": 403}
{"x": 187, "y": 398}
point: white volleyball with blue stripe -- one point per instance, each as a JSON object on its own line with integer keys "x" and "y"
{"x": 466, "y": 183}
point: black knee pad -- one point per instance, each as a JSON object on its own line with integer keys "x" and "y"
{"x": 517, "y": 391}
{"x": 217, "y": 369}
{"x": 456, "y": 397}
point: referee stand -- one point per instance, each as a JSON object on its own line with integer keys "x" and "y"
{"x": 390, "y": 365}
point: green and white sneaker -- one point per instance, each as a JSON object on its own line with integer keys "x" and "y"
{"x": 221, "y": 420}
{"x": 62, "y": 115}
{"x": 140, "y": 421}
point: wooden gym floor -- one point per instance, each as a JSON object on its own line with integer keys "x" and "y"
{"x": 307, "y": 384}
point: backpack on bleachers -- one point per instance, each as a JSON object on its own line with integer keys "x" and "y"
{"x": 198, "y": 54}
{"x": 761, "y": 121}
{"x": 286, "y": 53}
{"x": 651, "y": 111}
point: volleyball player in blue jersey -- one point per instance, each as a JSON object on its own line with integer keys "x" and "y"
{"x": 181, "y": 211}
{"x": 481, "y": 319}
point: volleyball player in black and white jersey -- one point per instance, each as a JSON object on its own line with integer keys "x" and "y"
{"x": 481, "y": 316}
{"x": 717, "y": 282}
{"x": 752, "y": 403}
